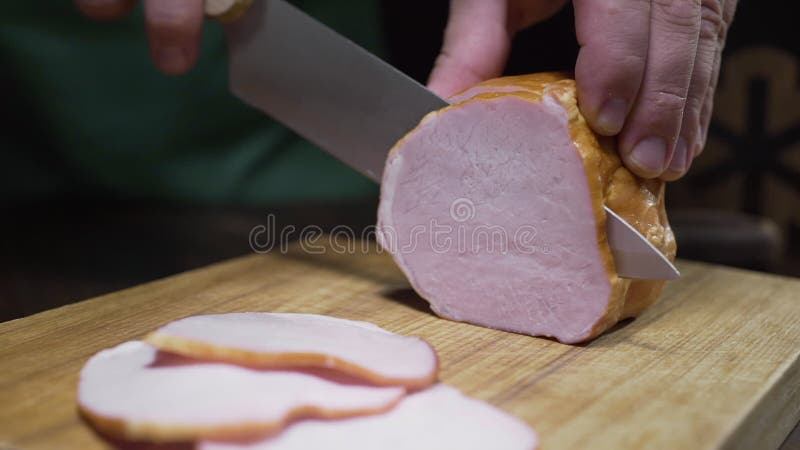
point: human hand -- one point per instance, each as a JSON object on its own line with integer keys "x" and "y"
{"x": 646, "y": 71}
{"x": 173, "y": 28}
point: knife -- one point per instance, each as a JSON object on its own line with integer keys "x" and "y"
{"x": 352, "y": 104}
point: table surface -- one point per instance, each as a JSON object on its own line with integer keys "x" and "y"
{"x": 713, "y": 365}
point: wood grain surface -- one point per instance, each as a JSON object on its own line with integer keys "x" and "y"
{"x": 713, "y": 365}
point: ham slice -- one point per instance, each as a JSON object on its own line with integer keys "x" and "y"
{"x": 359, "y": 349}
{"x": 493, "y": 209}
{"x": 135, "y": 392}
{"x": 437, "y": 418}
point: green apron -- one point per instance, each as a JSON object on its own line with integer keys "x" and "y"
{"x": 91, "y": 116}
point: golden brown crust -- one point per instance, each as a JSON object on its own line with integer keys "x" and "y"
{"x": 201, "y": 350}
{"x": 638, "y": 201}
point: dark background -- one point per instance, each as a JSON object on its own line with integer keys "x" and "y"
{"x": 738, "y": 206}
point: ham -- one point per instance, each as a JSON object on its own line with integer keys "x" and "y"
{"x": 358, "y": 349}
{"x": 135, "y": 392}
{"x": 493, "y": 209}
{"x": 437, "y": 418}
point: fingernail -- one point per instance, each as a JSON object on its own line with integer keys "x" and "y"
{"x": 678, "y": 163}
{"x": 649, "y": 155}
{"x": 696, "y": 150}
{"x": 172, "y": 59}
{"x": 701, "y": 141}
{"x": 612, "y": 116}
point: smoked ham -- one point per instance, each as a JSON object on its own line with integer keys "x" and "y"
{"x": 360, "y": 349}
{"x": 493, "y": 209}
{"x": 437, "y": 418}
{"x": 135, "y": 392}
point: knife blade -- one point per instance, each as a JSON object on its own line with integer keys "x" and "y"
{"x": 355, "y": 106}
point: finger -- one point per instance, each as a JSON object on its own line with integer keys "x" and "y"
{"x": 728, "y": 9}
{"x": 691, "y": 136}
{"x": 173, "y": 29}
{"x": 651, "y": 131}
{"x": 475, "y": 48}
{"x": 613, "y": 37}
{"x": 105, "y": 9}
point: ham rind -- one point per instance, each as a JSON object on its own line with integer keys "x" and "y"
{"x": 437, "y": 418}
{"x": 528, "y": 83}
{"x": 135, "y": 392}
{"x": 356, "y": 348}
{"x": 494, "y": 210}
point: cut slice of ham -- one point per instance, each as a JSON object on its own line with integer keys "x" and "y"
{"x": 135, "y": 392}
{"x": 493, "y": 209}
{"x": 437, "y": 418}
{"x": 356, "y": 348}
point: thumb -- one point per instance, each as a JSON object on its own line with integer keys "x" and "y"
{"x": 476, "y": 45}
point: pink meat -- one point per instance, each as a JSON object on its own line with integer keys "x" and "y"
{"x": 133, "y": 391}
{"x": 494, "y": 210}
{"x": 500, "y": 179}
{"x": 306, "y": 340}
{"x": 438, "y": 418}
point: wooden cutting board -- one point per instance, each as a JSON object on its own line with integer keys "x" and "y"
{"x": 713, "y": 365}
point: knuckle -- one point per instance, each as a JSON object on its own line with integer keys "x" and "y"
{"x": 661, "y": 111}
{"x": 667, "y": 101}
{"x": 712, "y": 23}
{"x": 677, "y": 13}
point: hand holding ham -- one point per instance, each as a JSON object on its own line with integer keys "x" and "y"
{"x": 646, "y": 70}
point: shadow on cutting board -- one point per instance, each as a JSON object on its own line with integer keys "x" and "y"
{"x": 408, "y": 297}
